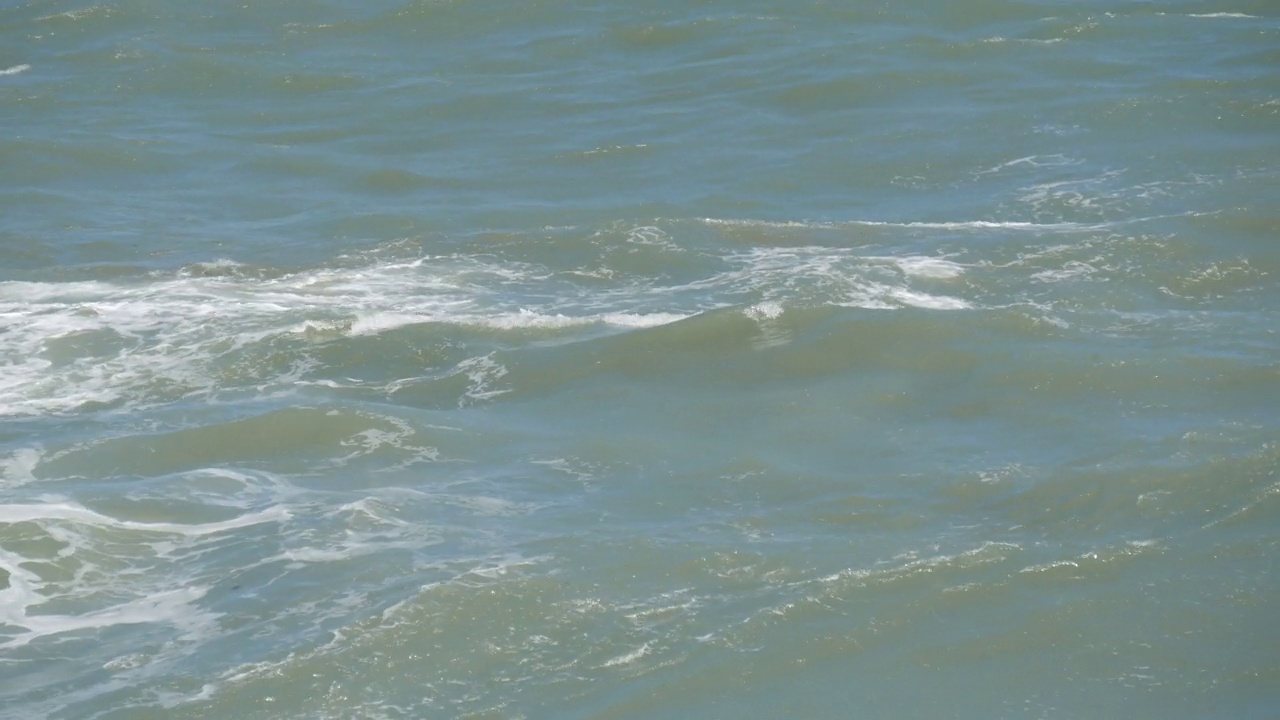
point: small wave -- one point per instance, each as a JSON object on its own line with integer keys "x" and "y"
{"x": 1221, "y": 15}
{"x": 221, "y": 326}
{"x": 16, "y": 69}
{"x": 1030, "y": 41}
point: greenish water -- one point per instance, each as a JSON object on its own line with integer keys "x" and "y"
{"x": 629, "y": 360}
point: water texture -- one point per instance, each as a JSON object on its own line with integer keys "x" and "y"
{"x": 431, "y": 359}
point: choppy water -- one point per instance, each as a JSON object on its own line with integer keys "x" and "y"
{"x": 412, "y": 359}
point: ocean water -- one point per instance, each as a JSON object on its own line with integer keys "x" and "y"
{"x": 565, "y": 359}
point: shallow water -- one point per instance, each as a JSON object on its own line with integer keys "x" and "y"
{"x": 459, "y": 359}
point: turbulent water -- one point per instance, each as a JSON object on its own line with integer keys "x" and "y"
{"x": 567, "y": 359}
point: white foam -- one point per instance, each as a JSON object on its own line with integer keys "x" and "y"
{"x": 1222, "y": 15}
{"x": 926, "y": 267}
{"x": 91, "y": 581}
{"x": 1069, "y": 271}
{"x": 816, "y": 276}
{"x": 992, "y": 225}
{"x": 531, "y": 319}
{"x": 19, "y": 468}
{"x": 15, "y": 70}
{"x": 16, "y": 513}
{"x": 1046, "y": 567}
{"x": 1034, "y": 161}
{"x": 930, "y": 302}
{"x": 996, "y": 39}
{"x": 523, "y": 318}
{"x": 79, "y": 13}
{"x": 379, "y": 322}
{"x": 612, "y": 149}
{"x": 764, "y": 311}
{"x": 173, "y": 606}
{"x": 912, "y": 224}
{"x": 220, "y": 325}
{"x": 482, "y": 372}
{"x": 627, "y": 658}
{"x": 652, "y": 236}
{"x": 351, "y": 545}
{"x": 643, "y": 320}
{"x": 372, "y": 440}
{"x": 165, "y": 333}
{"x": 1093, "y": 194}
{"x": 772, "y": 332}
{"x": 732, "y": 222}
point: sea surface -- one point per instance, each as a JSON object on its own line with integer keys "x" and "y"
{"x": 560, "y": 359}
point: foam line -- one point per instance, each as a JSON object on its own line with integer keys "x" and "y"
{"x": 915, "y": 224}
{"x": 77, "y": 513}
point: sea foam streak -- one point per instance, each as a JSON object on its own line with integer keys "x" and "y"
{"x": 16, "y": 513}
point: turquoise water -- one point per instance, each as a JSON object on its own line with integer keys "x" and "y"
{"x": 627, "y": 360}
